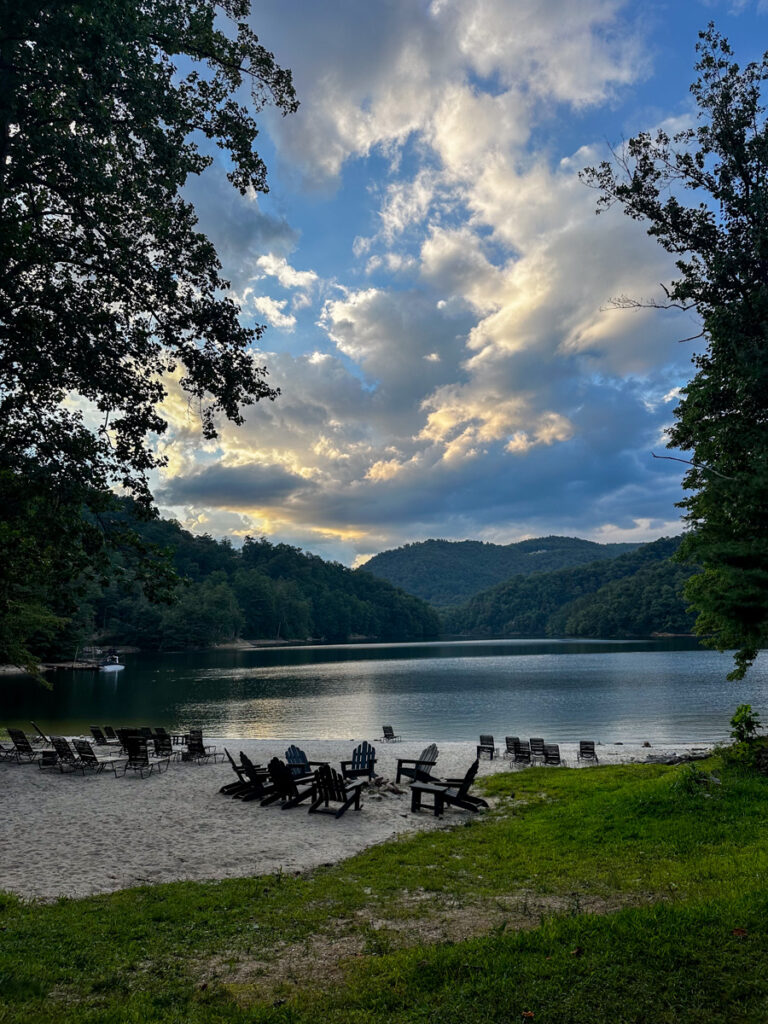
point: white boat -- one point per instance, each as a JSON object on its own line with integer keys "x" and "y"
{"x": 111, "y": 664}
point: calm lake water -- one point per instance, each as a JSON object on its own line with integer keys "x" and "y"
{"x": 665, "y": 692}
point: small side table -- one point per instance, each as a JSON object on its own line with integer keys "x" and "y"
{"x": 421, "y": 789}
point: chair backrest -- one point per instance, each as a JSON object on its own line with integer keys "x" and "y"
{"x": 282, "y": 778}
{"x": 109, "y": 732}
{"x": 522, "y": 753}
{"x": 98, "y": 736}
{"x": 85, "y": 753}
{"x": 363, "y": 756}
{"x": 146, "y": 732}
{"x": 537, "y": 746}
{"x": 163, "y": 747}
{"x": 486, "y": 740}
{"x": 297, "y": 761}
{"x": 389, "y": 732}
{"x": 20, "y": 741}
{"x": 469, "y": 778}
{"x": 195, "y": 745}
{"x": 249, "y": 769}
{"x": 330, "y": 785}
{"x": 513, "y": 742}
{"x": 137, "y": 750}
{"x": 160, "y": 730}
{"x": 587, "y": 748}
{"x": 63, "y": 749}
{"x": 552, "y": 753}
{"x": 427, "y": 758}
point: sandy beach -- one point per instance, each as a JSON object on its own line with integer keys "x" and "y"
{"x": 69, "y": 835}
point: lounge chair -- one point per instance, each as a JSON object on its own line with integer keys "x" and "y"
{"x": 330, "y": 788}
{"x": 198, "y": 751}
{"x": 587, "y": 751}
{"x": 297, "y": 761}
{"x": 138, "y": 759}
{"x": 23, "y": 750}
{"x": 65, "y": 755}
{"x": 510, "y": 743}
{"x": 448, "y": 791}
{"x": 552, "y": 754}
{"x": 537, "y": 749}
{"x": 522, "y": 753}
{"x": 163, "y": 747}
{"x": 285, "y": 787}
{"x": 419, "y": 767}
{"x": 362, "y": 762}
{"x": 100, "y": 739}
{"x": 110, "y": 733}
{"x": 389, "y": 735}
{"x": 40, "y": 737}
{"x": 486, "y": 746}
{"x": 87, "y": 759}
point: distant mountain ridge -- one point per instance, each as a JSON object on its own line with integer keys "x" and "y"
{"x": 635, "y": 594}
{"x": 446, "y": 572}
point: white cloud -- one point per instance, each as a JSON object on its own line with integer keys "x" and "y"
{"x": 273, "y": 310}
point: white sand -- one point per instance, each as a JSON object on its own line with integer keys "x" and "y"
{"x": 69, "y": 835}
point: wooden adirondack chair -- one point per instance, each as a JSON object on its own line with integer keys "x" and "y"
{"x": 486, "y": 746}
{"x": 285, "y": 787}
{"x": 330, "y": 788}
{"x": 587, "y": 751}
{"x": 297, "y": 761}
{"x": 419, "y": 767}
{"x": 256, "y": 778}
{"x": 448, "y": 791}
{"x": 362, "y": 762}
{"x": 389, "y": 734}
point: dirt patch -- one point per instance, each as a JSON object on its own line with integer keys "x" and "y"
{"x": 323, "y": 959}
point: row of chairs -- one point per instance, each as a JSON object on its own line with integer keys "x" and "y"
{"x": 534, "y": 750}
{"x": 131, "y": 751}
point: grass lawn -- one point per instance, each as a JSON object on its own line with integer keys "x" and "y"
{"x": 602, "y": 895}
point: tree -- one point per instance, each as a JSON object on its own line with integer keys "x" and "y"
{"x": 107, "y": 289}
{"x": 719, "y": 237}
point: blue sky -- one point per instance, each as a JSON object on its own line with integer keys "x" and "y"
{"x": 435, "y": 281}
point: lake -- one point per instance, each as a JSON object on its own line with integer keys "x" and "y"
{"x": 663, "y": 692}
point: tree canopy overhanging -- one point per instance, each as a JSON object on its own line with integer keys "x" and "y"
{"x": 719, "y": 237}
{"x": 107, "y": 288}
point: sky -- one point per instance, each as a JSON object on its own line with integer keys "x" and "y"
{"x": 436, "y": 285}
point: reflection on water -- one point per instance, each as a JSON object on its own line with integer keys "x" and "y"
{"x": 609, "y": 691}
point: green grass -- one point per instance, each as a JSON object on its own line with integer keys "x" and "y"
{"x": 669, "y": 874}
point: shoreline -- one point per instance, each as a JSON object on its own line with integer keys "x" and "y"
{"x": 96, "y": 833}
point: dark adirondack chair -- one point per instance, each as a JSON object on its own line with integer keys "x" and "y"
{"x": 87, "y": 760}
{"x": 290, "y": 790}
{"x": 66, "y": 757}
{"x": 331, "y": 788}
{"x": 258, "y": 784}
{"x": 362, "y": 762}
{"x": 197, "y": 751}
{"x": 297, "y": 761}
{"x": 552, "y": 754}
{"x": 448, "y": 791}
{"x": 522, "y": 753}
{"x": 537, "y": 749}
{"x": 243, "y": 782}
{"x": 419, "y": 767}
{"x": 510, "y": 743}
{"x": 486, "y": 746}
{"x": 389, "y": 735}
{"x": 24, "y": 750}
{"x": 587, "y": 751}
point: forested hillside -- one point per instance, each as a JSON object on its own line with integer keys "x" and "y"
{"x": 447, "y": 572}
{"x": 261, "y": 591}
{"x": 636, "y": 594}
